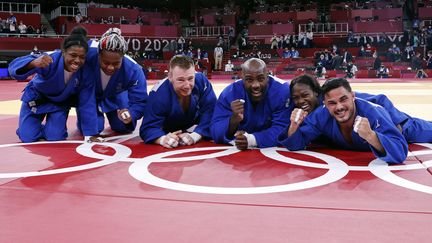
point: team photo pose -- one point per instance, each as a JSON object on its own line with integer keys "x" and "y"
{"x": 60, "y": 81}
{"x": 307, "y": 96}
{"x": 121, "y": 87}
{"x": 251, "y": 112}
{"x": 349, "y": 122}
{"x": 180, "y": 107}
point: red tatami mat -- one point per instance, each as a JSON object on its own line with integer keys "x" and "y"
{"x": 126, "y": 191}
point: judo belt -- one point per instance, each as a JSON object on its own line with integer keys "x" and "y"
{"x": 72, "y": 101}
{"x": 40, "y": 101}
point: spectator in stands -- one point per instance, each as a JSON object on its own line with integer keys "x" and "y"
{"x": 229, "y": 66}
{"x": 252, "y": 111}
{"x": 11, "y": 23}
{"x": 78, "y": 18}
{"x": 30, "y": 30}
{"x": 190, "y": 54}
{"x": 274, "y": 41}
{"x": 204, "y": 56}
{"x": 322, "y": 60}
{"x": 363, "y": 40}
{"x": 383, "y": 72}
{"x": 393, "y": 53}
{"x": 22, "y": 28}
{"x": 302, "y": 40}
{"x": 335, "y": 49}
{"x": 218, "y": 56}
{"x": 311, "y": 25}
{"x": 121, "y": 89}
{"x": 429, "y": 60}
{"x": 346, "y": 57}
{"x": 351, "y": 70}
{"x": 201, "y": 20}
{"x": 286, "y": 41}
{"x": 369, "y": 50}
{"x": 198, "y": 54}
{"x": 362, "y": 52}
{"x": 189, "y": 45}
{"x": 139, "y": 20}
{"x": 61, "y": 81}
{"x": 417, "y": 62}
{"x": 382, "y": 39}
{"x": 336, "y": 61}
{"x": 179, "y": 108}
{"x": 320, "y": 71}
{"x": 350, "y": 38}
{"x": 377, "y": 61}
{"x": 180, "y": 43}
{"x": 421, "y": 74}
{"x": 286, "y": 53}
{"x": 123, "y": 20}
{"x": 220, "y": 40}
{"x": 309, "y": 38}
{"x": 408, "y": 52}
{"x": 35, "y": 51}
{"x": 231, "y": 36}
{"x": 44, "y": 29}
{"x": 294, "y": 53}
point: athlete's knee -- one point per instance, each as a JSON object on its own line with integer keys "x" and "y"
{"x": 55, "y": 135}
{"x": 28, "y": 136}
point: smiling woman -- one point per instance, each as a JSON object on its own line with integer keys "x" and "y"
{"x": 59, "y": 84}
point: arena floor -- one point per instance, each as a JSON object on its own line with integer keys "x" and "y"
{"x": 126, "y": 191}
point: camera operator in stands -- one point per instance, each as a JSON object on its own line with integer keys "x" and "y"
{"x": 383, "y": 72}
{"x": 320, "y": 71}
{"x": 351, "y": 70}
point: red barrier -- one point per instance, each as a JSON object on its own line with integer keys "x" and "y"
{"x": 305, "y": 15}
{"x": 425, "y": 13}
{"x": 28, "y": 19}
{"x": 388, "y": 13}
{"x": 20, "y": 44}
{"x": 282, "y": 17}
{"x": 378, "y": 26}
{"x": 129, "y": 29}
{"x": 270, "y": 29}
{"x": 117, "y": 13}
{"x": 339, "y": 16}
{"x": 362, "y": 13}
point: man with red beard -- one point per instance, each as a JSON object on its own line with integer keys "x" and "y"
{"x": 349, "y": 122}
{"x": 252, "y": 111}
{"x": 180, "y": 107}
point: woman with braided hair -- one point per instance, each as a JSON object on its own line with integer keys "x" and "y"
{"x": 121, "y": 89}
{"x": 60, "y": 81}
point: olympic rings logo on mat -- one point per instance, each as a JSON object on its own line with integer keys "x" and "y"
{"x": 139, "y": 169}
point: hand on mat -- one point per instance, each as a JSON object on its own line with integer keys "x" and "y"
{"x": 94, "y": 139}
{"x": 241, "y": 141}
{"x": 170, "y": 140}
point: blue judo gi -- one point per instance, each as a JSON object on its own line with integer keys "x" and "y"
{"x": 320, "y": 122}
{"x": 415, "y": 130}
{"x": 164, "y": 113}
{"x": 127, "y": 88}
{"x": 47, "y": 96}
{"x": 265, "y": 121}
